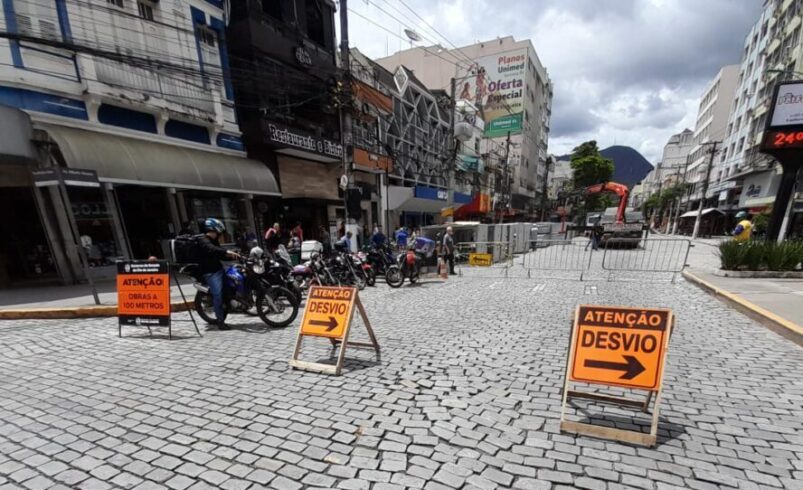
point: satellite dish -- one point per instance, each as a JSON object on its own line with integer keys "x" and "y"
{"x": 412, "y": 35}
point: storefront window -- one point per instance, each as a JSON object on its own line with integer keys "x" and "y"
{"x": 229, "y": 209}
{"x": 95, "y": 226}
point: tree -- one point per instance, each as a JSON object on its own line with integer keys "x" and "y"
{"x": 589, "y": 167}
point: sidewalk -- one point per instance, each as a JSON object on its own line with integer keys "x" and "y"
{"x": 777, "y": 301}
{"x": 70, "y": 301}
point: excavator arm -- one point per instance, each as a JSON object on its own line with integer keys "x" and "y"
{"x": 620, "y": 190}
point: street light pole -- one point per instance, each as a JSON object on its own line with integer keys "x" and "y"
{"x": 712, "y": 151}
{"x": 345, "y": 112}
{"x": 453, "y": 154}
{"x": 680, "y": 197}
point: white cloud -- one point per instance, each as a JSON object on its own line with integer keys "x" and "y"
{"x": 628, "y": 72}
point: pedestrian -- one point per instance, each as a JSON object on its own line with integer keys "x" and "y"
{"x": 272, "y": 238}
{"x": 595, "y": 235}
{"x": 209, "y": 254}
{"x": 298, "y": 231}
{"x": 325, "y": 240}
{"x": 345, "y": 242}
{"x": 401, "y": 238}
{"x": 294, "y": 248}
{"x": 744, "y": 229}
{"x": 448, "y": 249}
{"x": 378, "y": 238}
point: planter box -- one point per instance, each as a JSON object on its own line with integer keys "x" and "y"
{"x": 760, "y": 274}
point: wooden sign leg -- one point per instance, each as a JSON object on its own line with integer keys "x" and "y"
{"x": 341, "y": 357}
{"x": 367, "y": 322}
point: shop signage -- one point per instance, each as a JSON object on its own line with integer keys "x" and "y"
{"x": 292, "y": 138}
{"x": 495, "y": 84}
{"x": 620, "y": 347}
{"x": 788, "y": 105}
{"x": 501, "y": 126}
{"x": 481, "y": 260}
{"x": 425, "y": 192}
{"x": 143, "y": 293}
{"x": 76, "y": 177}
{"x": 328, "y": 313}
{"x": 303, "y": 56}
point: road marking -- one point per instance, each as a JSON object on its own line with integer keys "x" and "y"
{"x": 539, "y": 287}
{"x": 493, "y": 286}
{"x": 591, "y": 290}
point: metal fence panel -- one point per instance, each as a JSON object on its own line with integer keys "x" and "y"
{"x": 646, "y": 255}
{"x": 501, "y": 259}
{"x": 565, "y": 255}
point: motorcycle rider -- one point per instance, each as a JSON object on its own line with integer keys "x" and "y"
{"x": 210, "y": 253}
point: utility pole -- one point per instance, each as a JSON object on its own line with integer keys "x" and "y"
{"x": 680, "y": 197}
{"x": 545, "y": 188}
{"x": 506, "y": 194}
{"x": 711, "y": 152}
{"x": 345, "y": 112}
{"x": 453, "y": 154}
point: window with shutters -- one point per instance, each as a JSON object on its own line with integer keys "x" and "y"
{"x": 37, "y": 19}
{"x": 145, "y": 10}
{"x": 117, "y": 3}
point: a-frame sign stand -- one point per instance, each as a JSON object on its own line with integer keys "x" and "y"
{"x": 328, "y": 313}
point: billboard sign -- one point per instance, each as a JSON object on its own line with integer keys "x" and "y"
{"x": 495, "y": 85}
{"x": 788, "y": 105}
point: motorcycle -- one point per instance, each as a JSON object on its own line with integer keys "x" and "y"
{"x": 344, "y": 271}
{"x": 381, "y": 258}
{"x": 245, "y": 288}
{"x": 314, "y": 272}
{"x": 408, "y": 266}
{"x": 280, "y": 272}
{"x": 362, "y": 266}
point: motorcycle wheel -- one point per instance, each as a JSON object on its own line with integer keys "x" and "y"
{"x": 203, "y": 306}
{"x": 370, "y": 277}
{"x": 394, "y": 277}
{"x": 286, "y": 307}
{"x": 360, "y": 281}
{"x": 294, "y": 288}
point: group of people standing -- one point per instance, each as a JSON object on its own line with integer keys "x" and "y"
{"x": 445, "y": 246}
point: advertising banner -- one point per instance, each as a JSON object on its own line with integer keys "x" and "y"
{"x": 788, "y": 105}
{"x": 495, "y": 84}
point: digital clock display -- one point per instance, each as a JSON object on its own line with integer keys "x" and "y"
{"x": 783, "y": 139}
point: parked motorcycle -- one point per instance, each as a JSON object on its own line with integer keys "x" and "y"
{"x": 362, "y": 266}
{"x": 244, "y": 288}
{"x": 408, "y": 266}
{"x": 344, "y": 270}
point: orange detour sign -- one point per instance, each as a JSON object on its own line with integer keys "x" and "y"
{"x": 143, "y": 294}
{"x": 620, "y": 346}
{"x": 617, "y": 346}
{"x": 328, "y": 313}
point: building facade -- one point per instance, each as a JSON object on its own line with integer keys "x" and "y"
{"x": 712, "y": 119}
{"x": 506, "y": 80}
{"x": 129, "y": 106}
{"x": 288, "y": 88}
{"x": 773, "y": 51}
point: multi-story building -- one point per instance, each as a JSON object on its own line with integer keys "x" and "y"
{"x": 505, "y": 79}
{"x": 560, "y": 178}
{"x": 712, "y": 118}
{"x": 285, "y": 57}
{"x": 773, "y": 51}
{"x": 419, "y": 140}
{"x": 131, "y": 103}
{"x": 673, "y": 162}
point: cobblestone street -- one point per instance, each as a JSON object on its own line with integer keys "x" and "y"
{"x": 466, "y": 394}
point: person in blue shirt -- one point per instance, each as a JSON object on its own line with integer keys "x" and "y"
{"x": 345, "y": 241}
{"x": 378, "y": 238}
{"x": 401, "y": 238}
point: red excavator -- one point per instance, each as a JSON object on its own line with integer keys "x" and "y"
{"x": 623, "y": 225}
{"x": 621, "y": 190}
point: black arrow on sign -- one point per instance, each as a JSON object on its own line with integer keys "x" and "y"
{"x": 330, "y": 325}
{"x": 631, "y": 368}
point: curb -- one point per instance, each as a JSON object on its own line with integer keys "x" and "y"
{"x": 781, "y": 326}
{"x": 74, "y": 312}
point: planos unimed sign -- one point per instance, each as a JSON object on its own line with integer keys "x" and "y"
{"x": 788, "y": 105}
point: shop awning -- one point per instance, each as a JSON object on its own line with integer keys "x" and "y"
{"x": 691, "y": 214}
{"x": 404, "y": 199}
{"x": 123, "y": 160}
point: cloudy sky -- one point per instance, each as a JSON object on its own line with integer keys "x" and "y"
{"x": 626, "y": 72}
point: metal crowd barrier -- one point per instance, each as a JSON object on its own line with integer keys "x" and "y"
{"x": 484, "y": 259}
{"x": 558, "y": 255}
{"x": 646, "y": 255}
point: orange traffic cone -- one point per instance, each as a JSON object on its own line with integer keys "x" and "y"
{"x": 442, "y": 272}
